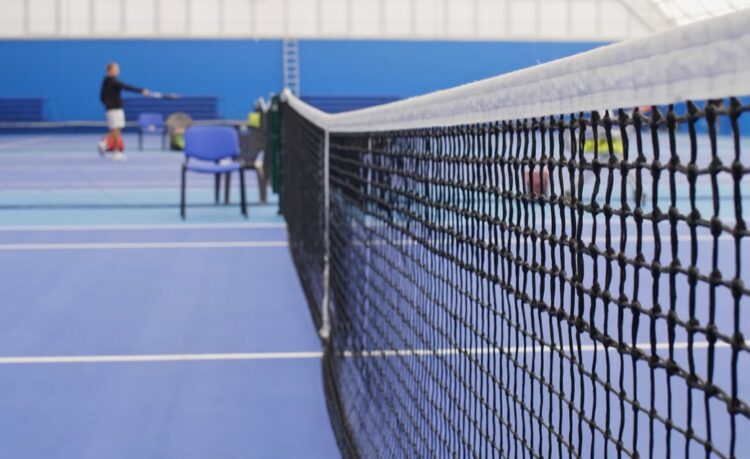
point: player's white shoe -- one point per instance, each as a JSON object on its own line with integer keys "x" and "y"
{"x": 102, "y": 147}
{"x": 119, "y": 156}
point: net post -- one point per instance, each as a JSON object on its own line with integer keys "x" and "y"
{"x": 325, "y": 326}
{"x": 275, "y": 148}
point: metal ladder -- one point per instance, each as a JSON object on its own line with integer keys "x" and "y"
{"x": 290, "y": 58}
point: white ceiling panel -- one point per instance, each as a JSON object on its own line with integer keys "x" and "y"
{"x": 237, "y": 17}
{"x": 173, "y": 17}
{"x": 461, "y": 17}
{"x": 333, "y": 17}
{"x": 43, "y": 16}
{"x": 13, "y": 19}
{"x": 597, "y": 20}
{"x": 140, "y": 17}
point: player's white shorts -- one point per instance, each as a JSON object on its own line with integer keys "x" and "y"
{"x": 116, "y": 118}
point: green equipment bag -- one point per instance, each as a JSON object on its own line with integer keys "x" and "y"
{"x": 177, "y": 142}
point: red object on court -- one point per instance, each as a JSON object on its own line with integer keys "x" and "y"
{"x": 111, "y": 144}
{"x": 537, "y": 181}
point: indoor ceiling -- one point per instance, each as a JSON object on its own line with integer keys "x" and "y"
{"x": 685, "y": 11}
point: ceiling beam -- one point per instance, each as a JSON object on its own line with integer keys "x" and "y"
{"x": 649, "y": 14}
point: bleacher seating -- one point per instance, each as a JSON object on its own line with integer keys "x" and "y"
{"x": 337, "y": 104}
{"x": 200, "y": 108}
{"x": 21, "y": 109}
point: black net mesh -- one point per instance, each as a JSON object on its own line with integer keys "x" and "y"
{"x": 555, "y": 287}
{"x": 302, "y": 202}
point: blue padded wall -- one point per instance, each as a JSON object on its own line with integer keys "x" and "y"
{"x": 67, "y": 73}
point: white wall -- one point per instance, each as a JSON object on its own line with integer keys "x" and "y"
{"x": 403, "y": 19}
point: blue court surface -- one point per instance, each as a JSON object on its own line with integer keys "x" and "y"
{"x": 128, "y": 333}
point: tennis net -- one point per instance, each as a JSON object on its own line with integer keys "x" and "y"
{"x": 550, "y": 263}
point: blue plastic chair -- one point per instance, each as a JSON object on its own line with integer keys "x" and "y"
{"x": 152, "y": 123}
{"x": 212, "y": 150}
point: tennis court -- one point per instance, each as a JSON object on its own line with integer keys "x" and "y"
{"x": 404, "y": 228}
{"x": 128, "y": 333}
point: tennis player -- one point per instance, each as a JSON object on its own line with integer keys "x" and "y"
{"x": 111, "y": 97}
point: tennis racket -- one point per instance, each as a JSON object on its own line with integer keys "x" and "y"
{"x": 163, "y": 95}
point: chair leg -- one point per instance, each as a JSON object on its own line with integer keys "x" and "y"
{"x": 227, "y": 185}
{"x": 163, "y": 140}
{"x": 183, "y": 185}
{"x": 261, "y": 185}
{"x": 217, "y": 185}
{"x": 243, "y": 197}
{"x": 140, "y": 140}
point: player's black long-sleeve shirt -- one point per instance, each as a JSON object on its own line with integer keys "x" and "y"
{"x": 111, "y": 94}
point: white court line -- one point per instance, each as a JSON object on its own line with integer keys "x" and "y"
{"x": 97, "y": 185}
{"x": 600, "y": 224}
{"x": 666, "y": 238}
{"x": 144, "y": 245}
{"x": 162, "y": 357}
{"x": 82, "y": 167}
{"x": 319, "y": 354}
{"x": 615, "y": 241}
{"x": 144, "y": 227}
{"x": 646, "y": 347}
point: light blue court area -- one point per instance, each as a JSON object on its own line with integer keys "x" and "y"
{"x": 127, "y": 332}
{"x": 60, "y": 179}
